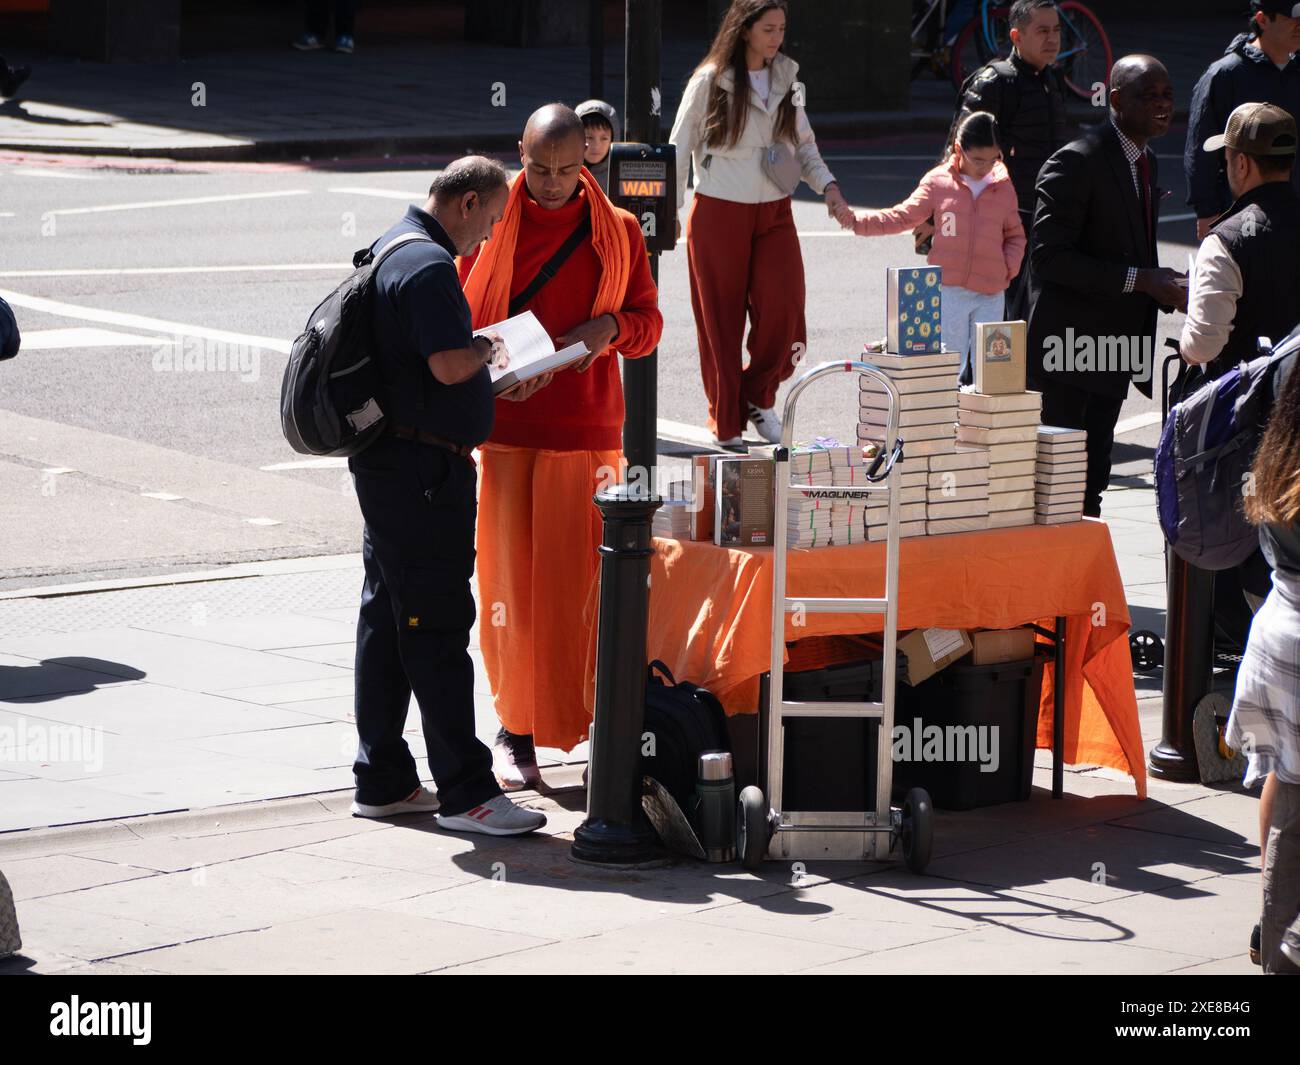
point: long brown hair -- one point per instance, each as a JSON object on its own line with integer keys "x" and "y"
{"x": 725, "y": 119}
{"x": 1275, "y": 495}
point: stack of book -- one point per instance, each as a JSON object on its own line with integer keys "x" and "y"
{"x": 957, "y": 491}
{"x": 810, "y": 520}
{"x": 927, "y": 398}
{"x": 672, "y": 521}
{"x": 1006, "y": 426}
{"x": 1060, "y": 475}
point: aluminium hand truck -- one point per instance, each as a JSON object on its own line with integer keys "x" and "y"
{"x": 764, "y": 828}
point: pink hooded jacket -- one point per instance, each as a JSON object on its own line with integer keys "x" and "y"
{"x": 978, "y": 243}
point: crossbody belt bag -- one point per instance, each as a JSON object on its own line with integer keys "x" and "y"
{"x": 551, "y": 267}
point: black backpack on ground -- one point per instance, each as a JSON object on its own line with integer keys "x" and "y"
{"x": 685, "y": 720}
{"x": 329, "y": 398}
{"x": 10, "y": 338}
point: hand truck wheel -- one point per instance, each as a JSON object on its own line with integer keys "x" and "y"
{"x": 917, "y": 829}
{"x": 1146, "y": 650}
{"x": 752, "y": 833}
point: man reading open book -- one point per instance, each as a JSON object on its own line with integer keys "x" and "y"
{"x": 538, "y": 529}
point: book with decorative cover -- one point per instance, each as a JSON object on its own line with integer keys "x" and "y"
{"x": 745, "y": 502}
{"x": 913, "y": 311}
{"x": 999, "y": 357}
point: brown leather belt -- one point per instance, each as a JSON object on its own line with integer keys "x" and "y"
{"x": 419, "y": 436}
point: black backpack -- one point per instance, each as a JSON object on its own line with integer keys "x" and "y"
{"x": 10, "y": 338}
{"x": 685, "y": 720}
{"x": 329, "y": 399}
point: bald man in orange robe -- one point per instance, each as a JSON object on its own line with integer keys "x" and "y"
{"x": 554, "y": 447}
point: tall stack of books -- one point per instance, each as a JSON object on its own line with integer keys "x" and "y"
{"x": 927, "y": 397}
{"x": 957, "y": 491}
{"x": 1060, "y": 475}
{"x": 810, "y": 520}
{"x": 673, "y": 519}
{"x": 1006, "y": 426}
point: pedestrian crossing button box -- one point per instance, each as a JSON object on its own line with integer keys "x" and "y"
{"x": 643, "y": 181}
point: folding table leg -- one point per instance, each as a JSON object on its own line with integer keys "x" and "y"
{"x": 1058, "y": 712}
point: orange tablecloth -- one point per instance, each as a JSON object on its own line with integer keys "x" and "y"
{"x": 710, "y": 616}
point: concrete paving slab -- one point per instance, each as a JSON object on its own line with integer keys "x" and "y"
{"x": 177, "y": 662}
{"x": 273, "y": 632}
{"x": 24, "y": 678}
{"x": 53, "y": 929}
{"x": 998, "y": 951}
{"x": 57, "y": 874}
{"x": 355, "y": 941}
{"x": 327, "y": 744}
{"x": 668, "y": 945}
{"x": 252, "y": 893}
{"x": 145, "y": 710}
{"x": 37, "y": 803}
{"x": 283, "y": 695}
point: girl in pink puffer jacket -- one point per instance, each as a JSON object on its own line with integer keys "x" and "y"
{"x": 979, "y": 241}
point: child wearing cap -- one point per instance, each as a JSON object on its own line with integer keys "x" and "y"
{"x": 601, "y": 123}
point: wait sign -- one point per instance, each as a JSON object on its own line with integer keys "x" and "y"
{"x": 643, "y": 181}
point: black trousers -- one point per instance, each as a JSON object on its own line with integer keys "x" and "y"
{"x": 1073, "y": 408}
{"x": 318, "y": 17}
{"x": 419, "y": 507}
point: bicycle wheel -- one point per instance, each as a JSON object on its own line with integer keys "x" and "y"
{"x": 1085, "y": 59}
{"x": 997, "y": 41}
{"x": 972, "y": 48}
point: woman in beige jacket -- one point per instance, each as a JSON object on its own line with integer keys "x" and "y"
{"x": 749, "y": 151}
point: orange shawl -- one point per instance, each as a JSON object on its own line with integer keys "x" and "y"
{"x": 487, "y": 289}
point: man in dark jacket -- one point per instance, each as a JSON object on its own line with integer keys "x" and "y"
{"x": 1024, "y": 93}
{"x": 1095, "y": 277}
{"x": 9, "y": 335}
{"x": 1259, "y": 67}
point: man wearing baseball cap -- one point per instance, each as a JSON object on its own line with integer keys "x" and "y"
{"x": 1247, "y": 278}
{"x": 1260, "y": 65}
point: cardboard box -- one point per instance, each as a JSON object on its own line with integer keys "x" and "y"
{"x": 992, "y": 646}
{"x": 929, "y": 650}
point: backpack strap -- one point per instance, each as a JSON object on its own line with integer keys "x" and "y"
{"x": 662, "y": 668}
{"x": 366, "y": 256}
{"x": 551, "y": 267}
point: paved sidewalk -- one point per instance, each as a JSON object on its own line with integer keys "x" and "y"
{"x": 200, "y": 741}
{"x": 408, "y": 99}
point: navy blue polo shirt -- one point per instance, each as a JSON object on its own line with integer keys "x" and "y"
{"x": 419, "y": 309}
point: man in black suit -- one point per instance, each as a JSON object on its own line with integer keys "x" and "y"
{"x": 1096, "y": 282}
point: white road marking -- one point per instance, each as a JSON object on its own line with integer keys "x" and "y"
{"x": 82, "y": 337}
{"x": 59, "y": 469}
{"x": 682, "y": 431}
{"x": 139, "y": 321}
{"x": 262, "y": 521}
{"x": 125, "y": 271}
{"x": 386, "y": 194}
{"x": 307, "y": 464}
{"x": 1138, "y": 421}
{"x": 40, "y": 172}
{"x": 188, "y": 202}
{"x": 166, "y": 497}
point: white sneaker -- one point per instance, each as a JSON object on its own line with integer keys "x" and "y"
{"x": 421, "y": 801}
{"x": 496, "y": 817}
{"x": 764, "y": 419}
{"x": 514, "y": 762}
{"x": 735, "y": 443}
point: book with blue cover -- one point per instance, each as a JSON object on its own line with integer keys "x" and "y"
{"x": 913, "y": 306}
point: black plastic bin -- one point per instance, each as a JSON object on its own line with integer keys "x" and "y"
{"x": 1005, "y": 695}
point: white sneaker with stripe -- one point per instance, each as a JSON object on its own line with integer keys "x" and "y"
{"x": 496, "y": 817}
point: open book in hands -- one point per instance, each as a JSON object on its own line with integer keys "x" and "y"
{"x": 522, "y": 350}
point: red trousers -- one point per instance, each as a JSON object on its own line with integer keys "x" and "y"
{"x": 744, "y": 259}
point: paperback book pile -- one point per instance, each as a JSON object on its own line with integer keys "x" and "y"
{"x": 927, "y": 397}
{"x": 1060, "y": 474}
{"x": 825, "y": 519}
{"x": 957, "y": 491}
{"x": 673, "y": 520}
{"x": 1006, "y": 426}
